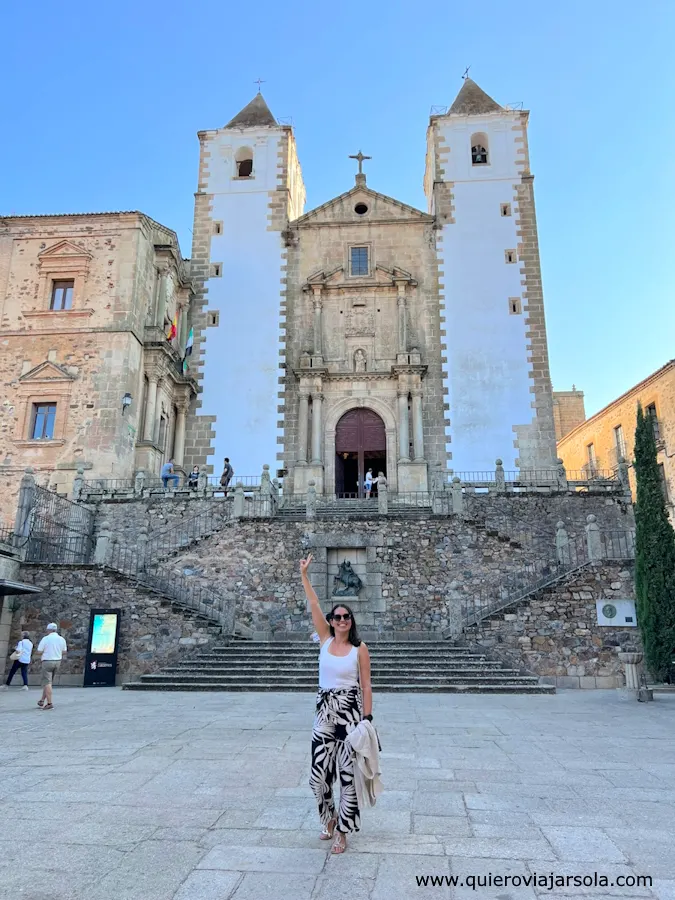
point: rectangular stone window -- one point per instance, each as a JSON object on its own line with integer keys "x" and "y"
{"x": 515, "y": 306}
{"x": 358, "y": 261}
{"x": 217, "y": 227}
{"x": 62, "y": 295}
{"x": 216, "y": 270}
{"x": 42, "y": 422}
{"x": 510, "y": 256}
{"x": 505, "y": 209}
{"x": 650, "y": 411}
{"x": 591, "y": 459}
{"x": 212, "y": 318}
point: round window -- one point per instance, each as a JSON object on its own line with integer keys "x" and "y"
{"x": 360, "y": 209}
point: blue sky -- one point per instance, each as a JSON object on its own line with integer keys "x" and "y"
{"x": 102, "y": 102}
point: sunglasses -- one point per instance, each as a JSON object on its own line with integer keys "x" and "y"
{"x": 339, "y": 617}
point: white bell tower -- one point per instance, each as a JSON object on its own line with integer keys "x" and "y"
{"x": 496, "y": 370}
{"x": 250, "y": 185}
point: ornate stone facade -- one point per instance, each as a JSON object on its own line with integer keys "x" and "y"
{"x": 86, "y": 303}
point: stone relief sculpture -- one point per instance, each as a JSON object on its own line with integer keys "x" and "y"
{"x": 359, "y": 361}
{"x": 346, "y": 583}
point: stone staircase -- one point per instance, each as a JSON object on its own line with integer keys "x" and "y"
{"x": 413, "y": 666}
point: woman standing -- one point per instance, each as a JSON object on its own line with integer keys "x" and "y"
{"x": 25, "y": 650}
{"x": 338, "y": 708}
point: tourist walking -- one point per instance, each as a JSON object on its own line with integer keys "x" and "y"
{"x": 168, "y": 474}
{"x": 53, "y": 648}
{"x": 21, "y": 660}
{"x": 344, "y": 699}
{"x": 368, "y": 483}
{"x": 228, "y": 472}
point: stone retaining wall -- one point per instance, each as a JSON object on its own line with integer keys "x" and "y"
{"x": 556, "y": 636}
{"x": 152, "y": 632}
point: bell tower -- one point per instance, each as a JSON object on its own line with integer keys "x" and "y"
{"x": 250, "y": 186}
{"x": 479, "y": 188}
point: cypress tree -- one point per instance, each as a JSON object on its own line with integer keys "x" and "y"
{"x": 654, "y": 556}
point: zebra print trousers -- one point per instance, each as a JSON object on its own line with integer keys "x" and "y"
{"x": 336, "y": 712}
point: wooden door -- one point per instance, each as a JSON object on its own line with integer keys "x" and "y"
{"x": 360, "y": 434}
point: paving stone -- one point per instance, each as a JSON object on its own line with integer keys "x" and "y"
{"x": 154, "y": 870}
{"x": 343, "y": 887}
{"x": 265, "y": 859}
{"x": 503, "y": 848}
{"x": 578, "y": 843}
{"x": 433, "y": 804}
{"x": 209, "y": 885}
{"x": 257, "y": 886}
{"x": 441, "y": 825}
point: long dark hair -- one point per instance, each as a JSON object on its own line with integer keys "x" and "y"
{"x": 353, "y": 636}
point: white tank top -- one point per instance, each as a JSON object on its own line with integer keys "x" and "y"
{"x": 337, "y": 672}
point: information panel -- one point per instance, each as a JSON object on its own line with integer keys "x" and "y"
{"x": 101, "y": 662}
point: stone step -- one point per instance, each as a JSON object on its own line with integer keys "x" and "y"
{"x": 507, "y": 688}
{"x": 206, "y": 665}
{"x": 310, "y": 681}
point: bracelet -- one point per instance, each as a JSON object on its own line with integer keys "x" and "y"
{"x": 369, "y": 717}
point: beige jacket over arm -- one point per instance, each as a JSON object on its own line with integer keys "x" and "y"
{"x": 363, "y": 741}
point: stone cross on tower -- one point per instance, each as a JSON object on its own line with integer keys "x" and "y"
{"x": 360, "y": 176}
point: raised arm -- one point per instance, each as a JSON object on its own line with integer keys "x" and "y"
{"x": 320, "y": 624}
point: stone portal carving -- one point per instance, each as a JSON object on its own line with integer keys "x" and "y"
{"x": 346, "y": 583}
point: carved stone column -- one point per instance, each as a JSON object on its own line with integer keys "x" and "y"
{"x": 418, "y": 426}
{"x": 403, "y": 427}
{"x": 303, "y": 421}
{"x": 150, "y": 408}
{"x": 179, "y": 440}
{"x": 318, "y": 322}
{"x": 317, "y": 427}
{"x": 402, "y": 320}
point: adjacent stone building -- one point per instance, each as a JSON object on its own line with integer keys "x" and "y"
{"x": 599, "y": 442}
{"x": 86, "y": 303}
{"x": 366, "y": 333}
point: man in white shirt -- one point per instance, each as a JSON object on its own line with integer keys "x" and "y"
{"x": 53, "y": 648}
{"x": 25, "y": 650}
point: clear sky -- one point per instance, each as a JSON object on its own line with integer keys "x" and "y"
{"x": 101, "y": 104}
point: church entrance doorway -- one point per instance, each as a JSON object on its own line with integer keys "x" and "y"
{"x": 360, "y": 444}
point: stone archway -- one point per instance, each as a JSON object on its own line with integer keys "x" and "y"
{"x": 335, "y": 412}
{"x": 360, "y": 444}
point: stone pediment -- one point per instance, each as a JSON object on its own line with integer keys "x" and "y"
{"x": 64, "y": 250}
{"x": 380, "y": 208}
{"x": 338, "y": 279}
{"x": 46, "y": 371}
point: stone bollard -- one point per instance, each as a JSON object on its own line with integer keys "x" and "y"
{"x": 78, "y": 483}
{"x": 561, "y": 474}
{"x": 311, "y": 500}
{"x": 102, "y": 548}
{"x": 202, "y": 482}
{"x": 142, "y": 546}
{"x": 562, "y": 544}
{"x": 266, "y": 492}
{"x": 500, "y": 477}
{"x": 382, "y": 496}
{"x": 593, "y": 538}
{"x": 239, "y": 501}
{"x": 139, "y": 482}
{"x": 457, "y": 497}
{"x": 26, "y": 504}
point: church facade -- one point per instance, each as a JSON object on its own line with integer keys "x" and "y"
{"x": 366, "y": 333}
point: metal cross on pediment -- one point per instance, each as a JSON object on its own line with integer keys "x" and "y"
{"x": 259, "y": 81}
{"x": 360, "y": 157}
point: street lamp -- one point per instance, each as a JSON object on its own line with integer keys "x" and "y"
{"x": 126, "y": 402}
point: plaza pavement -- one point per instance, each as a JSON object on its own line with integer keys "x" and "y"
{"x": 190, "y": 796}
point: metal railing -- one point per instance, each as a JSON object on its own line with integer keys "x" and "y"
{"x": 57, "y": 530}
{"x": 183, "y": 535}
{"x": 543, "y": 570}
{"x": 184, "y": 590}
{"x": 153, "y": 484}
